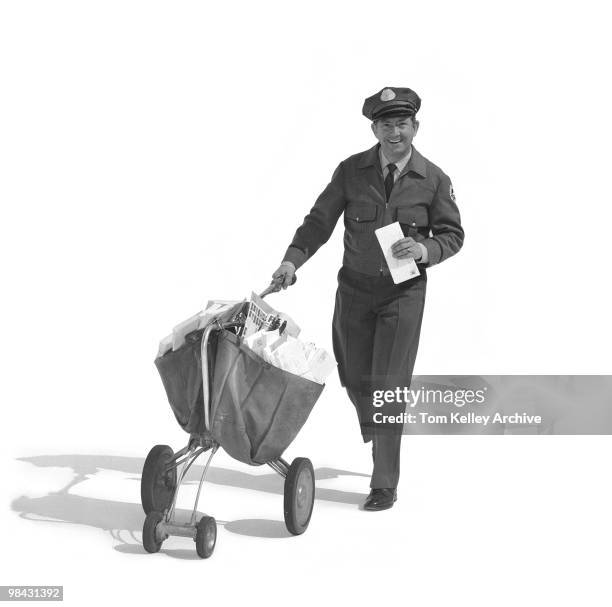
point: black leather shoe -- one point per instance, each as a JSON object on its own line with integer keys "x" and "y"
{"x": 380, "y": 499}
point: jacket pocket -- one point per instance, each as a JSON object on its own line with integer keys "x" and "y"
{"x": 360, "y": 217}
{"x": 414, "y": 221}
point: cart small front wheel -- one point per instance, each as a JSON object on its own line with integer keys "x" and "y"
{"x": 299, "y": 495}
{"x": 150, "y": 538}
{"x": 206, "y": 536}
{"x": 157, "y": 484}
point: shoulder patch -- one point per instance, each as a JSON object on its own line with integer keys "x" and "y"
{"x": 451, "y": 193}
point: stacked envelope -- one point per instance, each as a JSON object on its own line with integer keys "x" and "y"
{"x": 198, "y": 321}
{"x": 291, "y": 354}
{"x": 279, "y": 347}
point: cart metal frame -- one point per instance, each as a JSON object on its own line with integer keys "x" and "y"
{"x": 302, "y": 486}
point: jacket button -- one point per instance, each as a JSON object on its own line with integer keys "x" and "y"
{"x": 414, "y": 223}
{"x": 357, "y": 218}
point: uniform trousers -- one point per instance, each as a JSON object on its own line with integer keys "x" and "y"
{"x": 376, "y": 330}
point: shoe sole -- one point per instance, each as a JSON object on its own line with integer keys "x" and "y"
{"x": 376, "y": 509}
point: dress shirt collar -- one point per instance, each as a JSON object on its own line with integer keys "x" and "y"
{"x": 400, "y": 164}
{"x": 371, "y": 158}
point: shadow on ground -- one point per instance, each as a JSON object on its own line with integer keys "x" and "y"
{"x": 124, "y": 520}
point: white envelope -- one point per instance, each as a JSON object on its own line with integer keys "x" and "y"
{"x": 165, "y": 344}
{"x": 320, "y": 365}
{"x": 401, "y": 269}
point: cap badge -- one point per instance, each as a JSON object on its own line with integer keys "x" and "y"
{"x": 387, "y": 95}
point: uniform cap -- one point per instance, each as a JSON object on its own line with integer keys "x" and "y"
{"x": 391, "y": 101}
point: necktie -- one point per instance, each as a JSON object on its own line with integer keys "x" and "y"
{"x": 389, "y": 179}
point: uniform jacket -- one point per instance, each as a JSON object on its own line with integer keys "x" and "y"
{"x": 422, "y": 200}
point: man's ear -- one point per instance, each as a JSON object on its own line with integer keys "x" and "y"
{"x": 416, "y": 126}
{"x": 373, "y": 127}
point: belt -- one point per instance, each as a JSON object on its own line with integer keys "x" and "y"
{"x": 384, "y": 273}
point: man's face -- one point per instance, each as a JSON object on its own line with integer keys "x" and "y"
{"x": 395, "y": 135}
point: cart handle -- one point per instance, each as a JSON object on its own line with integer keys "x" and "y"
{"x": 205, "y": 379}
{"x": 219, "y": 326}
{"x": 213, "y": 326}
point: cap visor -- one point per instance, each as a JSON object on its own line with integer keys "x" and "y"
{"x": 393, "y": 111}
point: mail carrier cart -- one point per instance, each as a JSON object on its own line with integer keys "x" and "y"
{"x": 227, "y": 396}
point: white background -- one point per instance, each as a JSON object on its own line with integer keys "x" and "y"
{"x": 158, "y": 154}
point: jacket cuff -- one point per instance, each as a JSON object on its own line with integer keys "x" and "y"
{"x": 434, "y": 251}
{"x": 290, "y": 264}
{"x": 296, "y": 256}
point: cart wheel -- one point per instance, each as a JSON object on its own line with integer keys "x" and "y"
{"x": 157, "y": 485}
{"x": 206, "y": 536}
{"x": 150, "y": 539}
{"x": 299, "y": 495}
